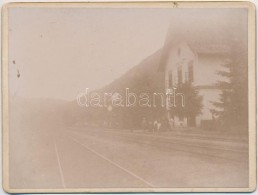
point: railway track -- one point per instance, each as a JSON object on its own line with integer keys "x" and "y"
{"x": 196, "y": 146}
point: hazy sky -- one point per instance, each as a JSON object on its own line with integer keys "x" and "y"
{"x": 61, "y": 51}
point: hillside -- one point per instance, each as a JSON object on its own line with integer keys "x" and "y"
{"x": 142, "y": 78}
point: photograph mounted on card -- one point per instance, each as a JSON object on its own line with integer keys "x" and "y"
{"x": 129, "y": 97}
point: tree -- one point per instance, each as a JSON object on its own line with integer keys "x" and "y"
{"x": 192, "y": 105}
{"x": 232, "y": 107}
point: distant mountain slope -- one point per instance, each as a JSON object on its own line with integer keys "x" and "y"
{"x": 144, "y": 77}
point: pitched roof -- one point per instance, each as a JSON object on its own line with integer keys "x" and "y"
{"x": 204, "y": 33}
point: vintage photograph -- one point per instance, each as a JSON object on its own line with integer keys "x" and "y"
{"x": 127, "y": 97}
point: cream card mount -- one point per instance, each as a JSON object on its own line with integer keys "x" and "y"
{"x": 129, "y": 97}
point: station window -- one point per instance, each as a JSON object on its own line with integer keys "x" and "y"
{"x": 190, "y": 71}
{"x": 170, "y": 79}
{"x": 179, "y": 52}
{"x": 179, "y": 75}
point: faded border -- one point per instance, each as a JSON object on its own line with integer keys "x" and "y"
{"x": 160, "y": 4}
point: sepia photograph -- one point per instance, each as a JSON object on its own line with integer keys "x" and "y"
{"x": 129, "y": 97}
